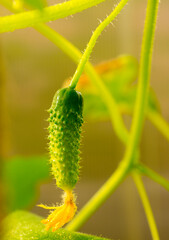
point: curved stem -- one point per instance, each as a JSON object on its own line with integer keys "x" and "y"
{"x": 146, "y": 205}
{"x": 31, "y": 18}
{"x": 159, "y": 123}
{"x": 93, "y": 40}
{"x": 153, "y": 175}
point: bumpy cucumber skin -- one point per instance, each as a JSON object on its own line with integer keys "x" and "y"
{"x": 65, "y": 124}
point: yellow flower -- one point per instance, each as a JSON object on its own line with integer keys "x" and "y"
{"x": 61, "y": 214}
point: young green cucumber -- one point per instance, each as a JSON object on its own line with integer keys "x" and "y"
{"x": 65, "y": 124}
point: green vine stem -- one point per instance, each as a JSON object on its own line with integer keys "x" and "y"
{"x": 153, "y": 175}
{"x": 93, "y": 40}
{"x": 143, "y": 80}
{"x": 31, "y": 18}
{"x": 146, "y": 205}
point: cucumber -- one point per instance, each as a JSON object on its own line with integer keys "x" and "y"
{"x": 65, "y": 122}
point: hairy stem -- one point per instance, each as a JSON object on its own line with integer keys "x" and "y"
{"x": 146, "y": 205}
{"x": 31, "y": 18}
{"x": 93, "y": 40}
{"x": 153, "y": 175}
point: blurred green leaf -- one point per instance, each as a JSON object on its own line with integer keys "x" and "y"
{"x": 119, "y": 75}
{"x": 21, "y": 179}
{"x": 26, "y": 226}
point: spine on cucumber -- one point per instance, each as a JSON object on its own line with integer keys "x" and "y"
{"x": 65, "y": 124}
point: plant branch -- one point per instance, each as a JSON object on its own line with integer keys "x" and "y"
{"x": 31, "y": 18}
{"x": 153, "y": 175}
{"x": 146, "y": 205}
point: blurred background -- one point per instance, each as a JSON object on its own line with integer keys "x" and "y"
{"x": 32, "y": 69}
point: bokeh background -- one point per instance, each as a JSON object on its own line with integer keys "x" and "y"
{"x": 34, "y": 68}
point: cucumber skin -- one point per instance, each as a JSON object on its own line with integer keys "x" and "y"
{"x": 65, "y": 124}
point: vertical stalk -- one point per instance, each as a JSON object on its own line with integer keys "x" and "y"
{"x": 143, "y": 80}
